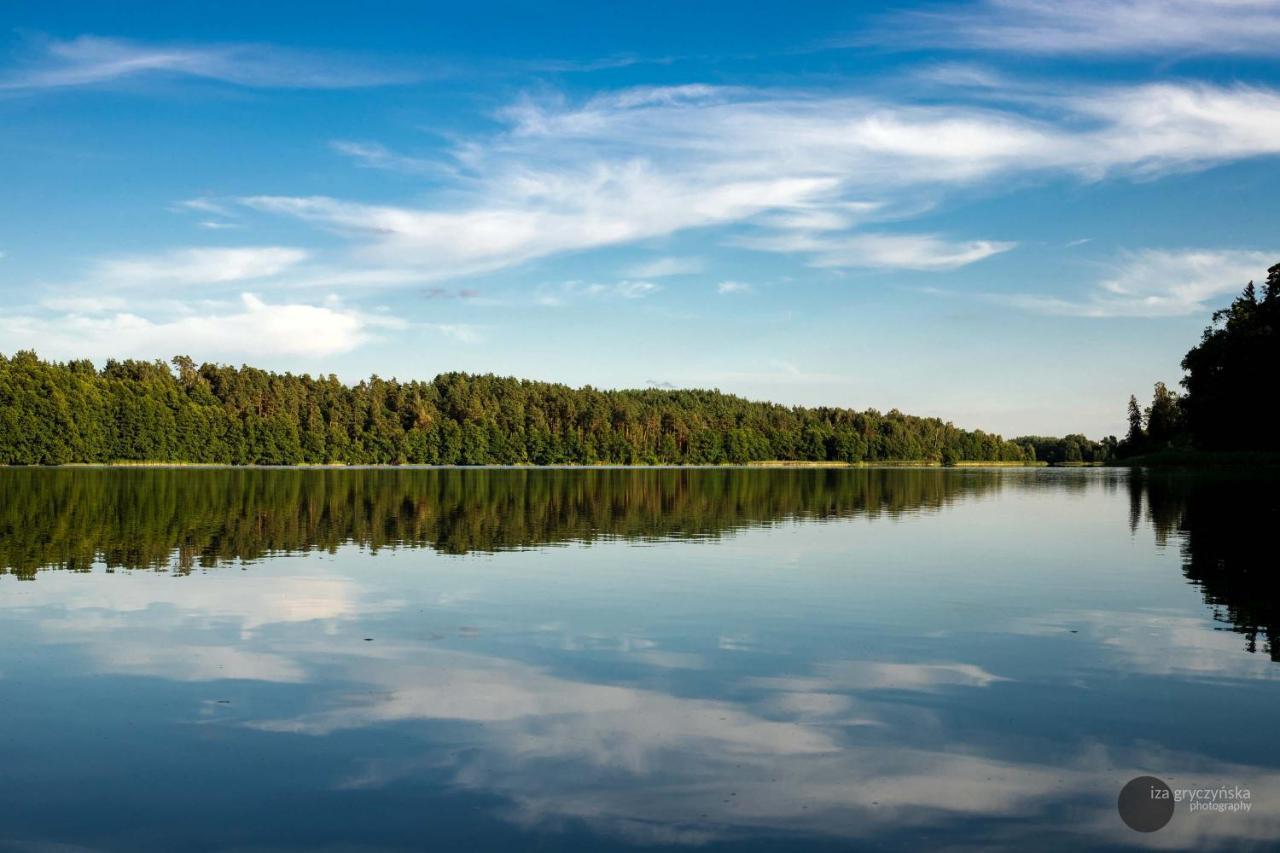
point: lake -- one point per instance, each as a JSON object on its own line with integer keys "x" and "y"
{"x": 897, "y": 659}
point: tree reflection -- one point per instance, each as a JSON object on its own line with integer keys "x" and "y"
{"x": 1226, "y": 524}
{"x": 181, "y": 519}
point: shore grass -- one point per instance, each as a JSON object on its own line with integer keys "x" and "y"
{"x": 894, "y": 463}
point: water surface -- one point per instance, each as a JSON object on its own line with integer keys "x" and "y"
{"x": 600, "y": 659}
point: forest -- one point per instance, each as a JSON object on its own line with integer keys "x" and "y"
{"x": 1231, "y": 385}
{"x": 55, "y": 413}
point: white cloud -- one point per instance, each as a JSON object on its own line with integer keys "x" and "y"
{"x": 727, "y": 287}
{"x": 570, "y": 290}
{"x": 806, "y": 168}
{"x": 461, "y": 332}
{"x": 204, "y": 205}
{"x": 663, "y": 267}
{"x": 251, "y": 328}
{"x": 1162, "y": 27}
{"x": 635, "y": 289}
{"x": 880, "y": 251}
{"x": 377, "y": 156}
{"x": 90, "y": 60}
{"x": 608, "y": 205}
{"x": 198, "y": 266}
{"x": 1158, "y": 283}
{"x": 85, "y": 304}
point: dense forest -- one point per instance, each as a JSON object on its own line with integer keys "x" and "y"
{"x": 1232, "y": 385}
{"x": 65, "y": 412}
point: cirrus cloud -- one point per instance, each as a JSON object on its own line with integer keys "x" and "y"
{"x": 1097, "y": 27}
{"x": 1157, "y": 283}
{"x": 804, "y": 171}
{"x": 93, "y": 60}
{"x": 198, "y": 266}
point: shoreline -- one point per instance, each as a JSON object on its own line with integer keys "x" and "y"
{"x": 341, "y": 466}
{"x": 1163, "y": 459}
{"x": 1202, "y": 459}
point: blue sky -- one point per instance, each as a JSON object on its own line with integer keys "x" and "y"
{"x": 1008, "y": 213}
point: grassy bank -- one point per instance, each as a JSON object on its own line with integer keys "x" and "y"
{"x": 896, "y": 463}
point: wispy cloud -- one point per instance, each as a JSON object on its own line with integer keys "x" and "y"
{"x": 204, "y": 205}
{"x": 462, "y": 332}
{"x": 1122, "y": 27}
{"x": 880, "y": 251}
{"x": 635, "y": 289}
{"x": 374, "y": 155}
{"x": 198, "y": 266}
{"x": 727, "y": 287}
{"x": 807, "y": 170}
{"x": 569, "y": 291}
{"x": 663, "y": 267}
{"x": 92, "y": 60}
{"x": 1157, "y": 283}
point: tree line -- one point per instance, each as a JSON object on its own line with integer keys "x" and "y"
{"x": 1231, "y": 387}
{"x": 149, "y": 411}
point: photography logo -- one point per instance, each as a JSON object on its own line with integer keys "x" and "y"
{"x": 1146, "y": 804}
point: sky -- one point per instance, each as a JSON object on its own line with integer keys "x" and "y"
{"x": 1010, "y": 214}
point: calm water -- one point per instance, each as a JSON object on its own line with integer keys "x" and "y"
{"x": 586, "y": 660}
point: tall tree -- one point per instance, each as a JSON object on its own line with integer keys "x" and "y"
{"x": 1233, "y": 374}
{"x": 1136, "y": 435}
{"x": 1164, "y": 418}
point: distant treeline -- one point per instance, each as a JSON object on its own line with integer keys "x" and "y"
{"x": 179, "y": 520}
{"x": 1069, "y": 449}
{"x": 1232, "y": 385}
{"x": 66, "y": 412}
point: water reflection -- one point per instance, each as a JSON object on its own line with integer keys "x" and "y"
{"x": 952, "y": 660}
{"x": 162, "y": 518}
{"x": 1225, "y": 526}
{"x": 183, "y": 519}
